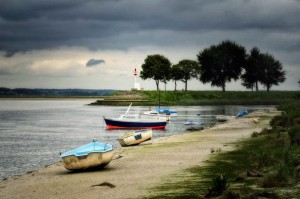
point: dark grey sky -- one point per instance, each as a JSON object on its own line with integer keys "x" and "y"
{"x": 131, "y": 27}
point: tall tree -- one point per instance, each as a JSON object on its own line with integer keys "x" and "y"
{"x": 176, "y": 74}
{"x": 222, "y": 63}
{"x": 156, "y": 67}
{"x": 253, "y": 69}
{"x": 188, "y": 69}
{"x": 272, "y": 73}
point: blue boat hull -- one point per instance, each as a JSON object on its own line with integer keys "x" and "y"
{"x": 119, "y": 124}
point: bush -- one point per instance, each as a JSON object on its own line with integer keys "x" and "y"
{"x": 280, "y": 120}
{"x": 294, "y": 133}
{"x": 218, "y": 186}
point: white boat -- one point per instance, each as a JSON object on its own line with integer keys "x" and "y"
{"x": 91, "y": 155}
{"x": 135, "y": 137}
{"x": 224, "y": 118}
{"x": 193, "y": 125}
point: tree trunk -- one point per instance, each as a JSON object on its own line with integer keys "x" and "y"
{"x": 256, "y": 85}
{"x": 223, "y": 87}
{"x": 157, "y": 84}
{"x": 186, "y": 86}
{"x": 175, "y": 85}
{"x": 268, "y": 87}
{"x": 165, "y": 86}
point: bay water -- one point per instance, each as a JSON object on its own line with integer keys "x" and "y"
{"x": 34, "y": 131}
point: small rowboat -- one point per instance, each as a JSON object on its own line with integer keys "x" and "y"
{"x": 135, "y": 137}
{"x": 91, "y": 155}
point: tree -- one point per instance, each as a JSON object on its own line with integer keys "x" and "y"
{"x": 222, "y": 63}
{"x": 188, "y": 69}
{"x": 176, "y": 74}
{"x": 253, "y": 69}
{"x": 156, "y": 67}
{"x": 272, "y": 73}
{"x": 299, "y": 82}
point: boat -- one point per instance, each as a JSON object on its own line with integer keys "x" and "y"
{"x": 91, "y": 155}
{"x": 162, "y": 112}
{"x": 194, "y": 125}
{"x": 135, "y": 137}
{"x": 134, "y": 121}
{"x": 224, "y": 118}
{"x": 166, "y": 111}
{"x": 242, "y": 113}
{"x": 192, "y": 122}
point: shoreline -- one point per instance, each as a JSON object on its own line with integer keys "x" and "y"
{"x": 140, "y": 167}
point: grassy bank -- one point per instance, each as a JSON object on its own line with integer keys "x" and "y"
{"x": 169, "y": 98}
{"x": 221, "y": 98}
{"x": 266, "y": 165}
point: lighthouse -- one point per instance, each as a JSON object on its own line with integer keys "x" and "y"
{"x": 137, "y": 85}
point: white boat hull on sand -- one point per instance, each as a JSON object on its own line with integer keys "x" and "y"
{"x": 135, "y": 137}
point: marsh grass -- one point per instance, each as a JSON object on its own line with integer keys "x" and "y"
{"x": 274, "y": 162}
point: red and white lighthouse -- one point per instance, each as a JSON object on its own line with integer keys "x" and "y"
{"x": 137, "y": 85}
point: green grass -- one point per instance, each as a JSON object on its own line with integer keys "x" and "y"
{"x": 266, "y": 165}
{"x": 221, "y": 98}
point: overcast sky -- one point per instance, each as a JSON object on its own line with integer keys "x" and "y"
{"x": 96, "y": 44}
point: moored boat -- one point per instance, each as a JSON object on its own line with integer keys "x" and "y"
{"x": 135, "y": 137}
{"x": 91, "y": 155}
{"x": 134, "y": 121}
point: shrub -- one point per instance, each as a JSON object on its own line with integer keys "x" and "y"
{"x": 218, "y": 186}
{"x": 280, "y": 120}
{"x": 294, "y": 133}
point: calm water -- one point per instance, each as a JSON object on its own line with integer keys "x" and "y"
{"x": 33, "y": 132}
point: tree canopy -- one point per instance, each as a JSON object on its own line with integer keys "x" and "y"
{"x": 156, "y": 67}
{"x": 272, "y": 73}
{"x": 188, "y": 70}
{"x": 263, "y": 68}
{"x": 253, "y": 69}
{"x": 176, "y": 74}
{"x": 221, "y": 63}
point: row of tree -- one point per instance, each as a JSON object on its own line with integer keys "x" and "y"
{"x": 218, "y": 65}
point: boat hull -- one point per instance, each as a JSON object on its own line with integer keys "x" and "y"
{"x": 92, "y": 160}
{"x": 127, "y": 124}
{"x": 91, "y": 155}
{"x": 135, "y": 137}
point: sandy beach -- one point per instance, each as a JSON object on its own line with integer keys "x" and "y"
{"x": 134, "y": 170}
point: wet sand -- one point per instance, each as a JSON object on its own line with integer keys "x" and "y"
{"x": 134, "y": 170}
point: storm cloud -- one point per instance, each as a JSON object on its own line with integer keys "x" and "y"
{"x": 94, "y": 24}
{"x": 93, "y": 62}
{"x": 123, "y": 25}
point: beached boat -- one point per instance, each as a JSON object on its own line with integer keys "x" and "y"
{"x": 192, "y": 122}
{"x": 192, "y": 125}
{"x": 134, "y": 121}
{"x": 91, "y": 155}
{"x": 242, "y": 113}
{"x": 224, "y": 118}
{"x": 135, "y": 137}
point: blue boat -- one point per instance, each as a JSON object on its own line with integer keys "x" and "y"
{"x": 242, "y": 113}
{"x": 91, "y": 155}
{"x": 166, "y": 111}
